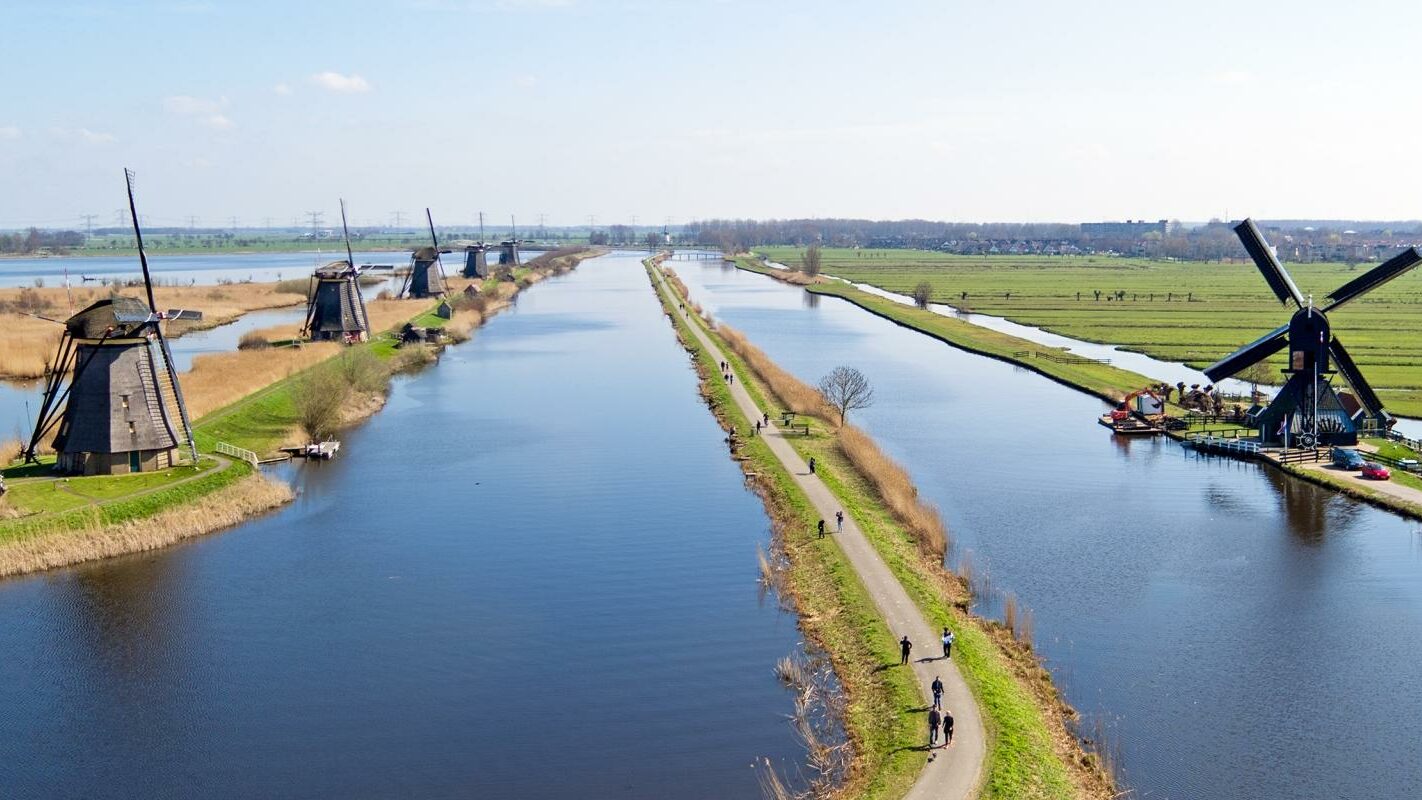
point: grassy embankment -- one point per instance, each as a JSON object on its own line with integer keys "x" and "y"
{"x": 130, "y": 513}
{"x": 836, "y": 611}
{"x": 1191, "y": 312}
{"x": 1031, "y": 752}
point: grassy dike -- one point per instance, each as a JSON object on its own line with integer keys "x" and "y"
{"x": 1031, "y": 752}
{"x": 835, "y": 610}
{"x": 191, "y": 502}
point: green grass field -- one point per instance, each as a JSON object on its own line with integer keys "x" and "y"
{"x": 1193, "y": 312}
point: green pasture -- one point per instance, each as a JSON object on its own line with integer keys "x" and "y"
{"x": 1189, "y": 311}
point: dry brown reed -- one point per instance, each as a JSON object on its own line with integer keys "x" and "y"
{"x": 253, "y": 340}
{"x": 793, "y": 393}
{"x": 226, "y": 507}
{"x": 10, "y": 450}
{"x": 896, "y": 489}
{"x": 767, "y": 572}
{"x": 220, "y": 379}
{"x": 30, "y": 343}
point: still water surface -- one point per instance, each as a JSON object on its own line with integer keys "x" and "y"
{"x": 1244, "y": 635}
{"x": 531, "y": 575}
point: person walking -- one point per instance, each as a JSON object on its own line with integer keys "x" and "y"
{"x": 822, "y": 529}
{"x": 812, "y": 465}
{"x": 904, "y": 647}
{"x": 937, "y": 688}
{"x": 767, "y": 418}
{"x": 839, "y": 522}
{"x": 934, "y": 720}
{"x": 947, "y": 727}
{"x": 948, "y": 638}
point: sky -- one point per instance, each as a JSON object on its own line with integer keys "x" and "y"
{"x": 624, "y": 110}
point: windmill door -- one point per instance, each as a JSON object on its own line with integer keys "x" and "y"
{"x": 135, "y": 461}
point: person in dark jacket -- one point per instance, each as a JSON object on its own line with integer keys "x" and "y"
{"x": 812, "y": 465}
{"x": 904, "y": 647}
{"x": 947, "y": 727}
{"x": 934, "y": 720}
{"x": 937, "y": 688}
{"x": 822, "y": 529}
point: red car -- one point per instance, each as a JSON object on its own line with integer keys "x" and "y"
{"x": 1376, "y": 472}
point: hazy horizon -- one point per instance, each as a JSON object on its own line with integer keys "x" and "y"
{"x": 574, "y": 109}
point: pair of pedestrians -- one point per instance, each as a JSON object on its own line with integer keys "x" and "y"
{"x": 838, "y": 525}
{"x": 940, "y": 720}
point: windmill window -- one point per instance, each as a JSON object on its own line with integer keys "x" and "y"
{"x": 132, "y": 431}
{"x": 124, "y": 398}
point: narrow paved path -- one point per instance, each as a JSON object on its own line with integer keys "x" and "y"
{"x": 950, "y": 772}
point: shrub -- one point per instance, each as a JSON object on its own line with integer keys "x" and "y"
{"x": 253, "y": 340}
{"x": 320, "y": 396}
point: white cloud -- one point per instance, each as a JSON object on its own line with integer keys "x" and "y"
{"x": 205, "y": 111}
{"x": 282, "y": 89}
{"x": 9, "y": 132}
{"x": 1233, "y": 77}
{"x": 82, "y": 135}
{"x": 526, "y": 81}
{"x": 336, "y": 82}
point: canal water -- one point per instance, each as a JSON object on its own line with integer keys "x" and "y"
{"x": 1238, "y": 633}
{"x": 189, "y": 268}
{"x": 532, "y": 575}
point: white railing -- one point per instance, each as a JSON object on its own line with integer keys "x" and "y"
{"x": 237, "y": 452}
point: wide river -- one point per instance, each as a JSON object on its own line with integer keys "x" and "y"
{"x": 532, "y": 575}
{"x": 1240, "y": 634}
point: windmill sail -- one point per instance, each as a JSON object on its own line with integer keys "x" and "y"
{"x": 1390, "y": 269}
{"x": 1268, "y": 264}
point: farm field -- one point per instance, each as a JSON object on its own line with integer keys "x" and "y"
{"x": 1193, "y": 312}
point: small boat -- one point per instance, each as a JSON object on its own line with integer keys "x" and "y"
{"x": 88, "y": 278}
{"x": 1127, "y": 425}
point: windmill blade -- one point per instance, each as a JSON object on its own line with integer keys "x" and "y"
{"x": 128, "y": 177}
{"x": 350, "y": 259}
{"x": 1392, "y": 268}
{"x": 1354, "y": 376}
{"x": 439, "y": 262}
{"x": 1268, "y": 264}
{"x": 1250, "y": 354}
{"x": 177, "y": 393}
{"x": 182, "y": 313}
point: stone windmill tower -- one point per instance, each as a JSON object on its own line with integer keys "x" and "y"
{"x": 426, "y": 278}
{"x": 335, "y": 310}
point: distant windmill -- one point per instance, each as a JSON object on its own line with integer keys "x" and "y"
{"x": 1307, "y": 410}
{"x": 113, "y": 389}
{"x": 508, "y": 249}
{"x": 426, "y": 278}
{"x": 335, "y": 309}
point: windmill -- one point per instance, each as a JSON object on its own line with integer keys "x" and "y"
{"x": 426, "y": 278}
{"x": 113, "y": 390}
{"x": 1308, "y": 411}
{"x": 476, "y": 255}
{"x": 335, "y": 309}
{"x": 508, "y": 249}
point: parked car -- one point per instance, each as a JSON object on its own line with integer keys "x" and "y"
{"x": 1375, "y": 472}
{"x": 1347, "y": 458}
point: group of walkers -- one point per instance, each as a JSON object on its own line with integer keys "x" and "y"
{"x": 939, "y": 718}
{"x": 730, "y": 377}
{"x": 838, "y": 525}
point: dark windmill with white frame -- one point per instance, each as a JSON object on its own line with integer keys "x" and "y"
{"x": 113, "y": 391}
{"x": 1308, "y": 411}
{"x": 335, "y": 310}
{"x": 426, "y": 278}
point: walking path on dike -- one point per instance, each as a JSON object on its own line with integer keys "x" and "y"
{"x": 951, "y": 772}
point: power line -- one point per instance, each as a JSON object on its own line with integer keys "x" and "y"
{"x": 88, "y": 223}
{"x": 315, "y": 220}
{"x": 192, "y": 222}
{"x": 234, "y": 223}
{"x": 399, "y": 217}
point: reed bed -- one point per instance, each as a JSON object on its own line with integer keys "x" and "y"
{"x": 897, "y": 490}
{"x": 229, "y": 506}
{"x": 218, "y": 380}
{"x": 792, "y": 392}
{"x": 30, "y": 342}
{"x": 10, "y": 450}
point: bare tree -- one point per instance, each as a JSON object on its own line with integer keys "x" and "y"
{"x": 810, "y": 262}
{"x": 922, "y": 293}
{"x": 319, "y": 397}
{"x": 846, "y": 389}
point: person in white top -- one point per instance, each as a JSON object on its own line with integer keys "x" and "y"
{"x": 947, "y": 643}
